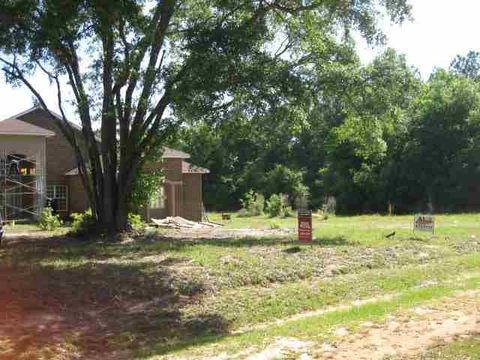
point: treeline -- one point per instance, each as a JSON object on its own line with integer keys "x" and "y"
{"x": 367, "y": 137}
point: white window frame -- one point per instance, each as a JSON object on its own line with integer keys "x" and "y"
{"x": 55, "y": 189}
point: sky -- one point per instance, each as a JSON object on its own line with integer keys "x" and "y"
{"x": 440, "y": 30}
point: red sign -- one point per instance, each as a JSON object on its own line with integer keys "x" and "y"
{"x": 305, "y": 226}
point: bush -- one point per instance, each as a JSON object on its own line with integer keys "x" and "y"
{"x": 242, "y": 212}
{"x": 135, "y": 221}
{"x": 329, "y": 206}
{"x": 275, "y": 225}
{"x": 277, "y": 206}
{"x": 48, "y": 220}
{"x": 83, "y": 223}
{"x": 288, "y": 211}
{"x": 252, "y": 204}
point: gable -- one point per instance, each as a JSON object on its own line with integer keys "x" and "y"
{"x": 18, "y": 127}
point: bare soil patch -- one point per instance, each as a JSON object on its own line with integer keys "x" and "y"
{"x": 222, "y": 233}
{"x": 409, "y": 333}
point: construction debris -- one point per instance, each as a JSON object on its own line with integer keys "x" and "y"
{"x": 177, "y": 222}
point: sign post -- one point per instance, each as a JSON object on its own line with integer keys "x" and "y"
{"x": 424, "y": 223}
{"x": 305, "y": 226}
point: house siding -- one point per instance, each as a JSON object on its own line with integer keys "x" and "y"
{"x": 60, "y": 156}
{"x": 192, "y": 196}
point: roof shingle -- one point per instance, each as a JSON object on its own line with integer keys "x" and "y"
{"x": 188, "y": 168}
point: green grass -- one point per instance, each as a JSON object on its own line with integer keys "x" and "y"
{"x": 250, "y": 305}
{"x": 156, "y": 295}
{"x": 468, "y": 349}
{"x": 23, "y": 228}
{"x": 316, "y": 328}
{"x": 365, "y": 229}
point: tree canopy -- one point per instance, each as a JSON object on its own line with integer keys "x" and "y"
{"x": 370, "y": 136}
{"x": 139, "y": 69}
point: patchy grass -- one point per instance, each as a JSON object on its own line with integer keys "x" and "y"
{"x": 251, "y": 305}
{"x": 156, "y": 295}
{"x": 468, "y": 349}
{"x": 316, "y": 328}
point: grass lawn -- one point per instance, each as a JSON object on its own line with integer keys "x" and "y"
{"x": 363, "y": 230}
{"x": 29, "y": 228}
{"x": 468, "y": 349}
{"x": 154, "y": 296}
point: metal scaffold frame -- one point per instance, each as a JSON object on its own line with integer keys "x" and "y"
{"x": 22, "y": 185}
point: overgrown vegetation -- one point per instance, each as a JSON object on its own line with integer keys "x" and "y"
{"x": 278, "y": 206}
{"x": 252, "y": 204}
{"x": 48, "y": 220}
{"x": 83, "y": 223}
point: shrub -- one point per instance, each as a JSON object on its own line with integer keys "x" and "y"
{"x": 48, "y": 220}
{"x": 242, "y": 212}
{"x": 330, "y": 205}
{"x": 275, "y": 225}
{"x": 277, "y": 206}
{"x": 135, "y": 221}
{"x": 83, "y": 223}
{"x": 252, "y": 204}
{"x": 288, "y": 211}
{"x": 146, "y": 188}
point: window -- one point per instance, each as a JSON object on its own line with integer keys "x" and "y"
{"x": 59, "y": 193}
{"x": 159, "y": 201}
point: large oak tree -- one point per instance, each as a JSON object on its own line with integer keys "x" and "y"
{"x": 125, "y": 65}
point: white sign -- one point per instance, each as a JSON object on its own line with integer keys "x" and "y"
{"x": 424, "y": 223}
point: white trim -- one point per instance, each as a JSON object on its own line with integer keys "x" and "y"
{"x": 25, "y": 134}
{"x": 54, "y": 188}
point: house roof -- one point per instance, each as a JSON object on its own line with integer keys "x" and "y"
{"x": 18, "y": 127}
{"x": 168, "y": 153}
{"x": 188, "y": 168}
{"x": 73, "y": 172}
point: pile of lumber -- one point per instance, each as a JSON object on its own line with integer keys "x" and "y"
{"x": 177, "y": 222}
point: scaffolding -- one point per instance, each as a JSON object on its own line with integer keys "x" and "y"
{"x": 22, "y": 184}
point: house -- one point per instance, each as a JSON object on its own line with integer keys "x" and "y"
{"x": 37, "y": 164}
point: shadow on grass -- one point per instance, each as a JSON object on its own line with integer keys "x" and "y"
{"x": 252, "y": 242}
{"x": 106, "y": 298}
{"x": 93, "y": 309}
{"x": 65, "y": 249}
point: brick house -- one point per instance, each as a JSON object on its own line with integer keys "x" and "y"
{"x": 44, "y": 168}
